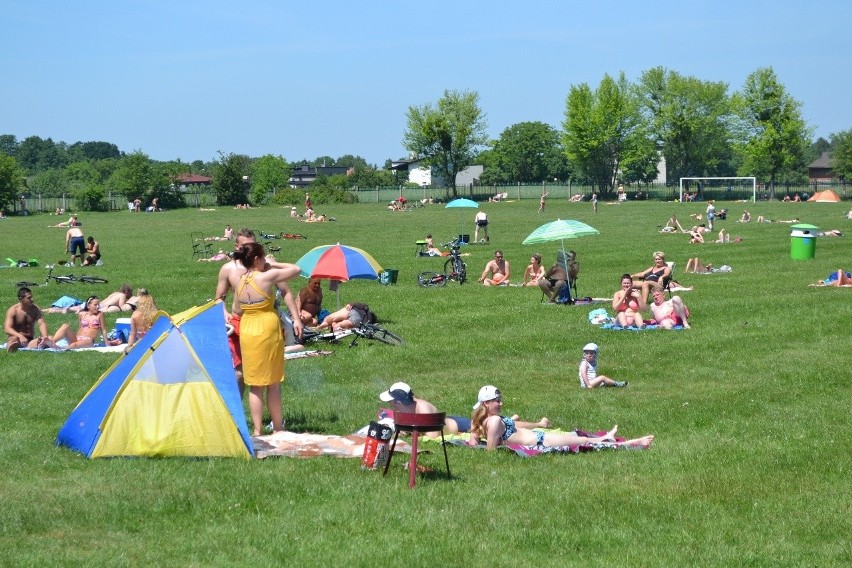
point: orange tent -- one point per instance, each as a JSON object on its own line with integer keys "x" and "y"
{"x": 827, "y": 196}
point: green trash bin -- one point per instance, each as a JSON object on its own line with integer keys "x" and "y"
{"x": 389, "y": 276}
{"x": 803, "y": 242}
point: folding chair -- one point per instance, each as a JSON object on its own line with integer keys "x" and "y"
{"x": 200, "y": 247}
{"x": 667, "y": 282}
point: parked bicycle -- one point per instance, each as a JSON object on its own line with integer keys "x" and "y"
{"x": 454, "y": 269}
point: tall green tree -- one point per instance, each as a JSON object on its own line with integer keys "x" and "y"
{"x": 50, "y": 183}
{"x": 11, "y": 181}
{"x": 231, "y": 178}
{"x": 268, "y": 174}
{"x": 690, "y": 120}
{"x": 773, "y": 134}
{"x": 447, "y": 135}
{"x": 604, "y": 133}
{"x": 35, "y": 154}
{"x": 134, "y": 177}
{"x": 842, "y": 154}
{"x": 527, "y": 152}
{"x": 8, "y": 144}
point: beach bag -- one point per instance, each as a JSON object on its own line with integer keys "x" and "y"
{"x": 376, "y": 448}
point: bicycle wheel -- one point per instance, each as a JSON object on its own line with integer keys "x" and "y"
{"x": 431, "y": 279}
{"x": 462, "y": 272}
{"x": 93, "y": 280}
{"x": 381, "y": 334}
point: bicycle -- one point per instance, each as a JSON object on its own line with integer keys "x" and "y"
{"x": 376, "y": 332}
{"x": 454, "y": 269}
{"x": 70, "y": 278}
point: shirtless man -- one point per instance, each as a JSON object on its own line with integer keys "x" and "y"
{"x": 21, "y": 320}
{"x": 402, "y": 399}
{"x": 669, "y": 313}
{"x": 229, "y": 278}
{"x": 75, "y": 244}
{"x": 499, "y": 269}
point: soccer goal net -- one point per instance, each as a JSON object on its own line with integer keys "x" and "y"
{"x": 728, "y": 188}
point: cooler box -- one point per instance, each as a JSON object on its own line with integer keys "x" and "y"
{"x": 122, "y": 325}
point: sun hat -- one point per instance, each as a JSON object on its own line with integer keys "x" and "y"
{"x": 399, "y": 392}
{"x": 486, "y": 393}
{"x": 591, "y": 347}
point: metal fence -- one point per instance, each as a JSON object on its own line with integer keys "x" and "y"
{"x": 555, "y": 191}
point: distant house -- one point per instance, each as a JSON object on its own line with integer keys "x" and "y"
{"x": 304, "y": 175}
{"x": 422, "y": 175}
{"x": 822, "y": 169}
{"x": 192, "y": 180}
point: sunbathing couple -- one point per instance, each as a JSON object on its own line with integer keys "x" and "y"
{"x": 23, "y": 318}
{"x": 629, "y": 305}
{"x": 489, "y": 424}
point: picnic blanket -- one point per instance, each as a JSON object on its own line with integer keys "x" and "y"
{"x": 294, "y": 445}
{"x": 532, "y": 451}
{"x": 647, "y": 327}
{"x": 99, "y": 347}
{"x": 303, "y": 354}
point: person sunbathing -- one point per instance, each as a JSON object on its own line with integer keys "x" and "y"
{"x": 831, "y": 233}
{"x": 695, "y": 266}
{"x": 496, "y": 429}
{"x": 841, "y": 278}
{"x": 724, "y": 237}
{"x": 218, "y": 257}
{"x": 673, "y": 225}
{"x": 90, "y": 325}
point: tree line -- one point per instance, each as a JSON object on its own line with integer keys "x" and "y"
{"x": 611, "y": 134}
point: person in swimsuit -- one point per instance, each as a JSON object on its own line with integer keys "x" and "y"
{"x": 669, "y": 313}
{"x": 498, "y": 267}
{"x": 534, "y": 271}
{"x": 349, "y": 316}
{"x": 488, "y": 423}
{"x": 402, "y": 399}
{"x": 21, "y": 322}
{"x": 648, "y": 278}
{"x": 117, "y": 301}
{"x": 75, "y": 244}
{"x": 90, "y": 325}
{"x": 142, "y": 318}
{"x": 309, "y": 302}
{"x": 93, "y": 249}
{"x": 628, "y": 304}
{"x": 261, "y": 340}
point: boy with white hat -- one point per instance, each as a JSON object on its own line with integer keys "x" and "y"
{"x": 589, "y": 377}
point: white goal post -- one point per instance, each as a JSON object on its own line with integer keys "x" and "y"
{"x": 753, "y": 184}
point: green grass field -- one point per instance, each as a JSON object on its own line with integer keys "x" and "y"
{"x": 750, "y": 408}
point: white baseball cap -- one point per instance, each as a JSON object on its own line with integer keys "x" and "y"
{"x": 486, "y": 393}
{"x": 399, "y": 392}
{"x": 591, "y": 347}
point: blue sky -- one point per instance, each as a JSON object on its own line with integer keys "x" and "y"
{"x": 187, "y": 79}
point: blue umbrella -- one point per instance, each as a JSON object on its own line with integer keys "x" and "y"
{"x": 462, "y": 202}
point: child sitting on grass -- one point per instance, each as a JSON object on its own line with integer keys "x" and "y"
{"x": 589, "y": 377}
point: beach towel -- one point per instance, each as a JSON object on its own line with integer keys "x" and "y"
{"x": 303, "y": 354}
{"x": 648, "y": 327}
{"x": 98, "y": 347}
{"x": 293, "y": 445}
{"x": 532, "y": 451}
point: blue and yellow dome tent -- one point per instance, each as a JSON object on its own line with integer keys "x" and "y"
{"x": 174, "y": 394}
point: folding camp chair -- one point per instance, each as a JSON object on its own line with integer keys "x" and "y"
{"x": 200, "y": 247}
{"x": 667, "y": 282}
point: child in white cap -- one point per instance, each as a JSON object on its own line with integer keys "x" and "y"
{"x": 589, "y": 377}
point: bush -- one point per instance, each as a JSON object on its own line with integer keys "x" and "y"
{"x": 321, "y": 196}
{"x": 91, "y": 198}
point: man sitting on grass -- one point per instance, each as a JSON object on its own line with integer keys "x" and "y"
{"x": 668, "y": 313}
{"x": 21, "y": 320}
